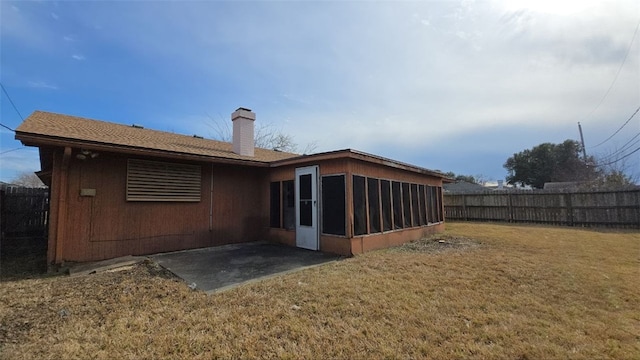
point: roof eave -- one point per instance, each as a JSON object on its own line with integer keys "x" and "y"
{"x": 38, "y": 140}
{"x": 358, "y": 155}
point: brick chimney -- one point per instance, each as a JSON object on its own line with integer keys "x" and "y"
{"x": 243, "y": 122}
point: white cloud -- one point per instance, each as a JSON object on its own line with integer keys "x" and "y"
{"x": 16, "y": 162}
{"x": 359, "y": 75}
{"x": 42, "y": 85}
{"x": 21, "y": 25}
{"x": 553, "y": 7}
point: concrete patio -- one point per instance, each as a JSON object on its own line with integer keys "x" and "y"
{"x": 221, "y": 268}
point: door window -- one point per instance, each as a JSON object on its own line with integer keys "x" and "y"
{"x": 306, "y": 206}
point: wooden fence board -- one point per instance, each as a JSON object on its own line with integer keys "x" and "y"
{"x": 23, "y": 211}
{"x": 600, "y": 208}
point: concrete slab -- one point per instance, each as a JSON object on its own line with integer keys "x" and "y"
{"x": 105, "y": 265}
{"x": 221, "y": 268}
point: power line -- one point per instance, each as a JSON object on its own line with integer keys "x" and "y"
{"x": 621, "y": 158}
{"x": 7, "y": 151}
{"x": 623, "y": 148}
{"x": 617, "y": 155}
{"x": 12, "y": 104}
{"x": 617, "y": 73}
{"x": 617, "y": 131}
{"x": 6, "y": 127}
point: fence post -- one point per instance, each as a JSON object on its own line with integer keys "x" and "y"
{"x": 567, "y": 199}
{"x": 510, "y": 203}
{"x": 464, "y": 207}
{"x": 638, "y": 206}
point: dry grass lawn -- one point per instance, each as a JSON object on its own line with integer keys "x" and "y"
{"x": 486, "y": 291}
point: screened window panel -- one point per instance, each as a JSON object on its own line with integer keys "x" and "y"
{"x": 423, "y": 215}
{"x": 431, "y": 205}
{"x": 373, "y": 192}
{"x": 439, "y": 204}
{"x": 289, "y": 205}
{"x": 415, "y": 205}
{"x": 385, "y": 197}
{"x": 397, "y": 205}
{"x": 333, "y": 205}
{"x": 274, "y": 219}
{"x": 406, "y": 204}
{"x": 359, "y": 206}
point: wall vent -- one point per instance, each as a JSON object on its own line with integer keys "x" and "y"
{"x": 161, "y": 181}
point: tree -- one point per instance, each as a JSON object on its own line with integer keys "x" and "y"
{"x": 549, "y": 162}
{"x": 474, "y": 179}
{"x": 615, "y": 172}
{"x": 618, "y": 167}
{"x": 615, "y": 180}
{"x": 27, "y": 179}
{"x": 265, "y": 135}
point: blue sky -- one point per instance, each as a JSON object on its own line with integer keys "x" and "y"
{"x": 450, "y": 85}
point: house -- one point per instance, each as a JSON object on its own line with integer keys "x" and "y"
{"x": 565, "y": 185}
{"x": 463, "y": 187}
{"x": 124, "y": 190}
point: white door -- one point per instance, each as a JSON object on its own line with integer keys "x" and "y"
{"x": 307, "y": 207}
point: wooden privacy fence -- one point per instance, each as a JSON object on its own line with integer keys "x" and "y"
{"x": 23, "y": 211}
{"x": 598, "y": 208}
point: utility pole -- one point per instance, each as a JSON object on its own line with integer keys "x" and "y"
{"x": 584, "y": 149}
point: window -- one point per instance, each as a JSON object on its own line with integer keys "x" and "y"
{"x": 275, "y": 205}
{"x": 333, "y": 205}
{"x": 373, "y": 192}
{"x": 359, "y": 206}
{"x": 397, "y": 205}
{"x": 385, "y": 197}
{"x": 161, "y": 181}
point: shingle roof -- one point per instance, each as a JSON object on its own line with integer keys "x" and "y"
{"x": 563, "y": 185}
{"x": 65, "y": 127}
{"x": 464, "y": 187}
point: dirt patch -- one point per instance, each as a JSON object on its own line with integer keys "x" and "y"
{"x": 154, "y": 269}
{"x": 440, "y": 243}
